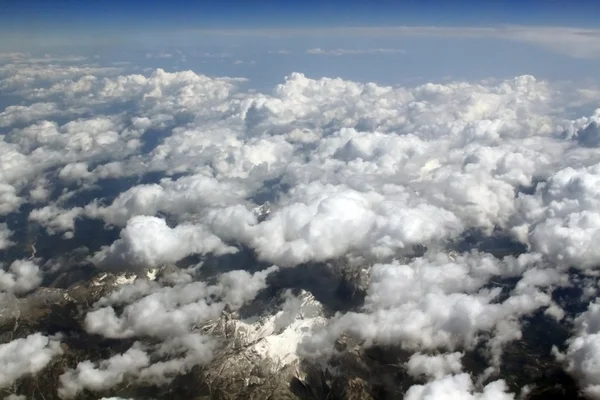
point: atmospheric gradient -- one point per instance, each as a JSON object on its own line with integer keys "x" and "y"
{"x": 299, "y": 200}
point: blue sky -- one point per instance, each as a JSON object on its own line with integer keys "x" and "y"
{"x": 389, "y": 42}
{"x": 114, "y": 14}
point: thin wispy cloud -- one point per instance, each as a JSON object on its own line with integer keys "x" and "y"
{"x": 350, "y": 52}
{"x": 573, "y": 42}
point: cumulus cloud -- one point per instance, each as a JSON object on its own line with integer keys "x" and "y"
{"x": 393, "y": 176}
{"x": 26, "y": 356}
{"x": 182, "y": 197}
{"x": 21, "y": 277}
{"x": 458, "y": 387}
{"x": 436, "y": 366}
{"x": 148, "y": 242}
{"x": 170, "y": 313}
{"x": 15, "y": 397}
{"x": 561, "y": 218}
{"x": 582, "y": 356}
{"x": 55, "y": 219}
{"x": 136, "y": 365}
{"x": 104, "y": 375}
{"x": 435, "y": 302}
{"x": 172, "y": 310}
{"x": 5, "y": 235}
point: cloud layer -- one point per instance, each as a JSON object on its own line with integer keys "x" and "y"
{"x": 393, "y": 179}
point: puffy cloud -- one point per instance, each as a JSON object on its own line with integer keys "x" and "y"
{"x": 74, "y": 172}
{"x": 5, "y": 235}
{"x": 26, "y": 356}
{"x": 22, "y": 276}
{"x": 55, "y": 219}
{"x": 458, "y": 387}
{"x": 9, "y": 201}
{"x": 163, "y": 312}
{"x": 561, "y": 217}
{"x": 24, "y": 114}
{"x": 27, "y": 77}
{"x": 15, "y": 397}
{"x": 135, "y": 365}
{"x": 435, "y": 366}
{"x": 185, "y": 196}
{"x": 326, "y": 222}
{"x": 169, "y": 311}
{"x": 190, "y": 350}
{"x": 435, "y": 302}
{"x": 239, "y": 287}
{"x": 148, "y": 242}
{"x": 582, "y": 357}
{"x": 348, "y": 169}
{"x": 104, "y": 375}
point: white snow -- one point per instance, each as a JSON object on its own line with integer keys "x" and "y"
{"x": 281, "y": 347}
{"x": 125, "y": 279}
{"x": 151, "y": 274}
{"x": 267, "y": 338}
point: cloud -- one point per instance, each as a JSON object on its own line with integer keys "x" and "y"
{"x": 135, "y": 364}
{"x": 169, "y": 311}
{"x": 436, "y": 302}
{"x": 326, "y": 222}
{"x": 351, "y": 52}
{"x": 436, "y": 366}
{"x": 148, "y": 242}
{"x": 26, "y": 356}
{"x": 159, "y": 55}
{"x": 458, "y": 387}
{"x": 183, "y": 197}
{"x": 561, "y": 217}
{"x": 164, "y": 312}
{"x": 22, "y": 276}
{"x": 5, "y": 235}
{"x": 395, "y": 179}
{"x": 573, "y": 42}
{"x": 104, "y": 375}
{"x": 582, "y": 356}
{"x": 55, "y": 219}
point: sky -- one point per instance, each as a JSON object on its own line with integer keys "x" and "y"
{"x": 87, "y": 14}
{"x": 391, "y": 42}
{"x": 433, "y": 148}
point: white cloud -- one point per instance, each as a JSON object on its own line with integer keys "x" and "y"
{"x": 435, "y": 302}
{"x": 562, "y": 218}
{"x": 15, "y": 397}
{"x": 26, "y": 356}
{"x": 104, "y": 375}
{"x": 435, "y": 366}
{"x": 183, "y": 197}
{"x": 349, "y": 170}
{"x": 458, "y": 387}
{"x": 574, "y": 42}
{"x": 25, "y": 114}
{"x": 582, "y": 357}
{"x": 135, "y": 365}
{"x": 5, "y": 235}
{"x": 55, "y": 219}
{"x": 170, "y": 311}
{"x": 164, "y": 312}
{"x": 22, "y": 276}
{"x": 148, "y": 242}
{"x": 351, "y": 52}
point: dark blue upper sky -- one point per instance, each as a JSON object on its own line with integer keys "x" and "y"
{"x": 35, "y": 15}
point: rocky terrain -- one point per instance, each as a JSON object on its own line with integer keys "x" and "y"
{"x": 256, "y": 357}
